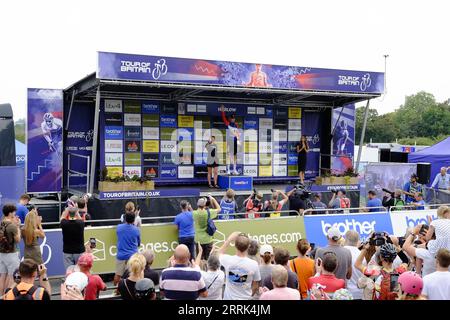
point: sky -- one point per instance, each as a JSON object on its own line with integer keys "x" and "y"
{"x": 52, "y": 44}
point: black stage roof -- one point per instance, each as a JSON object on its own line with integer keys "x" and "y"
{"x": 86, "y": 89}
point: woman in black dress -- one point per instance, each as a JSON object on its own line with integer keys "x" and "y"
{"x": 302, "y": 149}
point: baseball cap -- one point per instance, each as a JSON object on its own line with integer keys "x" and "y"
{"x": 334, "y": 233}
{"x": 266, "y": 248}
{"x": 86, "y": 260}
{"x": 77, "y": 279}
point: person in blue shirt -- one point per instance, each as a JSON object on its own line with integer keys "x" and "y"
{"x": 185, "y": 224}
{"x": 419, "y": 203}
{"x": 374, "y": 203}
{"x": 411, "y": 188}
{"x": 228, "y": 206}
{"x": 22, "y": 207}
{"x": 128, "y": 242}
{"x": 442, "y": 180}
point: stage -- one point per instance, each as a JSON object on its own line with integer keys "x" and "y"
{"x": 145, "y": 121}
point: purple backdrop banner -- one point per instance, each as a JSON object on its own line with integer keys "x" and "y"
{"x": 44, "y": 140}
{"x": 343, "y": 124}
{"x": 166, "y": 69}
{"x": 311, "y": 127}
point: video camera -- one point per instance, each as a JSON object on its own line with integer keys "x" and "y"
{"x": 255, "y": 200}
{"x": 379, "y": 238}
{"x": 388, "y": 191}
{"x": 302, "y": 191}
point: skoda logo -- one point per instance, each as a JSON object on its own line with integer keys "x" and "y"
{"x": 316, "y": 138}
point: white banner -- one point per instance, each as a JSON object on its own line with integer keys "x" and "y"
{"x": 295, "y": 124}
{"x": 279, "y": 171}
{"x": 294, "y": 135}
{"x": 185, "y": 172}
{"x": 113, "y": 105}
{"x": 265, "y": 123}
{"x": 402, "y": 220}
{"x": 280, "y": 158}
{"x": 265, "y": 147}
{"x": 250, "y": 135}
{"x": 132, "y": 171}
{"x": 279, "y": 135}
{"x": 132, "y": 119}
{"x": 113, "y": 159}
{"x": 168, "y": 146}
{"x": 150, "y": 133}
{"x": 251, "y": 171}
{"x": 113, "y": 145}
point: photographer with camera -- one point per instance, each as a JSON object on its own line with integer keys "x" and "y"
{"x": 339, "y": 200}
{"x": 297, "y": 201}
{"x": 202, "y": 216}
{"x": 275, "y": 205}
{"x": 393, "y": 199}
{"x": 385, "y": 274}
{"x": 254, "y": 205}
{"x": 422, "y": 255}
{"x": 411, "y": 188}
{"x": 25, "y": 288}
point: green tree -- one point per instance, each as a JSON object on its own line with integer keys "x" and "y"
{"x": 19, "y": 129}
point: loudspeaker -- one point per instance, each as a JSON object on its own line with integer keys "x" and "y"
{"x": 424, "y": 172}
{"x": 399, "y": 157}
{"x": 385, "y": 155}
{"x": 7, "y": 137}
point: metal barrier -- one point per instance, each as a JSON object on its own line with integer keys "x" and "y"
{"x": 327, "y": 210}
{"x": 143, "y": 219}
{"x": 73, "y": 173}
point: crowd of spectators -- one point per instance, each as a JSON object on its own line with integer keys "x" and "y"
{"x": 382, "y": 267}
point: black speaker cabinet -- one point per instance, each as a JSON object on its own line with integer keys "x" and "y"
{"x": 385, "y": 155}
{"x": 399, "y": 157}
{"x": 7, "y": 137}
{"x": 424, "y": 172}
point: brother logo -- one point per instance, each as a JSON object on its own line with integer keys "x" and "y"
{"x": 412, "y": 222}
{"x": 364, "y": 227}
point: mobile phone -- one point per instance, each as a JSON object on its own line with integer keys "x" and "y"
{"x": 312, "y": 245}
{"x": 92, "y": 243}
{"x": 394, "y": 282}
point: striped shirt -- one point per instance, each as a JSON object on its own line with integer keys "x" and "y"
{"x": 182, "y": 283}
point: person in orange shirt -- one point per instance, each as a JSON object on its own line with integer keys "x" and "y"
{"x": 303, "y": 266}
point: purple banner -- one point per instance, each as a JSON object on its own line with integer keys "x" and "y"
{"x": 166, "y": 69}
{"x": 44, "y": 140}
{"x": 343, "y": 124}
{"x": 311, "y": 129}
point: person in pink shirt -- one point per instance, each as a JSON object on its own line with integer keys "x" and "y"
{"x": 280, "y": 290}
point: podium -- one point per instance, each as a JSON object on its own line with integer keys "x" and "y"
{"x": 237, "y": 183}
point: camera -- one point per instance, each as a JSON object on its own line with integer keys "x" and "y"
{"x": 424, "y": 229}
{"x": 379, "y": 238}
{"x": 30, "y": 207}
{"x": 272, "y": 190}
{"x": 388, "y": 191}
{"x": 92, "y": 243}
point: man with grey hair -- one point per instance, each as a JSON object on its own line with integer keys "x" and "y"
{"x": 201, "y": 216}
{"x": 149, "y": 273}
{"x": 72, "y": 226}
{"x": 352, "y": 244}
{"x": 442, "y": 180}
{"x": 214, "y": 278}
{"x": 280, "y": 290}
{"x": 344, "y": 256}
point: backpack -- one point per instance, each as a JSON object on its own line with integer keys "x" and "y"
{"x": 5, "y": 244}
{"x": 210, "y": 225}
{"x": 24, "y": 294}
{"x": 385, "y": 287}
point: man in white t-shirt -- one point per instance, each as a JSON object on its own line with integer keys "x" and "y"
{"x": 352, "y": 243}
{"x": 428, "y": 261}
{"x": 242, "y": 273}
{"x": 436, "y": 286}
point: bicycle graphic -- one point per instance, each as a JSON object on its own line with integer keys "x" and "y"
{"x": 365, "y": 82}
{"x": 160, "y": 69}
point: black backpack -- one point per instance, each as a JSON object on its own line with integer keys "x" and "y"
{"x": 24, "y": 294}
{"x": 5, "y": 244}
